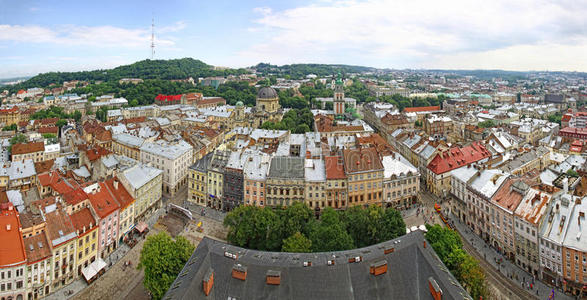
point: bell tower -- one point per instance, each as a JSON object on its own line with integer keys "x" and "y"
{"x": 338, "y": 101}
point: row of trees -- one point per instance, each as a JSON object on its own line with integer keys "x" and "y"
{"x": 449, "y": 247}
{"x": 299, "y": 71}
{"x": 296, "y": 120}
{"x": 295, "y": 229}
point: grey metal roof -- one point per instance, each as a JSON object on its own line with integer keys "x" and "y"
{"x": 409, "y": 267}
{"x": 202, "y": 164}
{"x": 287, "y": 167}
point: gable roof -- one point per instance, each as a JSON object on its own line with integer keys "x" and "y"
{"x": 457, "y": 157}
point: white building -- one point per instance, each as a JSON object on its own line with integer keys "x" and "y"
{"x": 173, "y": 158}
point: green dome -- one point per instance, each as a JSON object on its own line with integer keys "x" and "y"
{"x": 239, "y": 104}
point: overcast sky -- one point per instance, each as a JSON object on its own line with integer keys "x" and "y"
{"x": 41, "y": 36}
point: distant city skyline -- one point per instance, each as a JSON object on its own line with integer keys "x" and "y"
{"x": 523, "y": 35}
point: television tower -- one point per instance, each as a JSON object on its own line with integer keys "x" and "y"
{"x": 153, "y": 38}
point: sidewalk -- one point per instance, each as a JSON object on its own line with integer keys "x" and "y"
{"x": 208, "y": 211}
{"x": 507, "y": 268}
{"x": 80, "y": 284}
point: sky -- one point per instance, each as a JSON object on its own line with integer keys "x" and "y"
{"x": 48, "y": 35}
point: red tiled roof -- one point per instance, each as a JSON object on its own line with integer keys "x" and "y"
{"x": 24, "y": 148}
{"x": 44, "y": 166}
{"x": 76, "y": 196}
{"x": 11, "y": 110}
{"x": 49, "y": 121}
{"x": 507, "y": 197}
{"x": 361, "y": 160}
{"x": 119, "y": 192}
{"x": 50, "y": 129}
{"x": 566, "y": 118}
{"x": 162, "y": 97}
{"x": 83, "y": 219}
{"x": 334, "y": 167}
{"x": 34, "y": 253}
{"x": 102, "y": 201}
{"x": 11, "y": 243}
{"x": 211, "y": 101}
{"x": 421, "y": 109}
{"x": 96, "y": 153}
{"x": 457, "y": 157}
{"x": 59, "y": 226}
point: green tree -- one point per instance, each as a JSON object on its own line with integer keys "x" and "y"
{"x": 473, "y": 278}
{"x": 77, "y": 115}
{"x": 60, "y": 123}
{"x": 329, "y": 234}
{"x": 162, "y": 258}
{"x": 133, "y": 103}
{"x": 17, "y": 139}
{"x": 48, "y": 136}
{"x": 393, "y": 225}
{"x": 486, "y": 124}
{"x": 11, "y": 127}
{"x": 297, "y": 243}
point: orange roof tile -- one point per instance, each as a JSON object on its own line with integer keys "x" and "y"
{"x": 37, "y": 248}
{"x": 361, "y": 160}
{"x": 83, "y": 219}
{"x": 334, "y": 167}
{"x": 119, "y": 192}
{"x": 421, "y": 109}
{"x": 11, "y": 243}
{"x": 25, "y": 148}
{"x": 103, "y": 201}
{"x": 457, "y": 157}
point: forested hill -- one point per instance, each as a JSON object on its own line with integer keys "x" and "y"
{"x": 146, "y": 69}
{"x": 298, "y": 71}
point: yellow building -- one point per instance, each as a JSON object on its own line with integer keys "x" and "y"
{"x": 197, "y": 180}
{"x": 364, "y": 171}
{"x": 127, "y": 145}
{"x": 63, "y": 238}
{"x": 144, "y": 184}
{"x": 85, "y": 225}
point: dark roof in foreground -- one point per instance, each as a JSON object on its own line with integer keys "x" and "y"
{"x": 286, "y": 167}
{"x": 409, "y": 267}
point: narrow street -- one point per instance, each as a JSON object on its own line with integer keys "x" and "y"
{"x": 505, "y": 279}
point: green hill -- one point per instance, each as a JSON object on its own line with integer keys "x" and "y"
{"x": 145, "y": 69}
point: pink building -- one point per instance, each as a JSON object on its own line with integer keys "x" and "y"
{"x": 107, "y": 209}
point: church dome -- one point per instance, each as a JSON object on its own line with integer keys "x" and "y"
{"x": 239, "y": 104}
{"x": 267, "y": 93}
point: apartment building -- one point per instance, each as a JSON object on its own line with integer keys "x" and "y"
{"x": 173, "y": 158}
{"x": 215, "y": 176}
{"x": 285, "y": 181}
{"x": 107, "y": 209}
{"x": 63, "y": 239}
{"x": 315, "y": 183}
{"x": 127, "y": 145}
{"x": 197, "y": 192}
{"x": 86, "y": 227}
{"x": 336, "y": 182}
{"x": 144, "y": 184}
{"x": 364, "y": 173}
{"x": 527, "y": 218}
{"x": 38, "y": 271}
{"x": 127, "y": 207}
{"x": 401, "y": 182}
{"x": 13, "y": 259}
{"x": 23, "y": 151}
{"x": 255, "y": 172}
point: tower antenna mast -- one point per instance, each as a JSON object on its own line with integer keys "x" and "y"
{"x": 153, "y": 38}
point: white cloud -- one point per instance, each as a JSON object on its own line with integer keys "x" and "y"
{"x": 95, "y": 36}
{"x": 421, "y": 33}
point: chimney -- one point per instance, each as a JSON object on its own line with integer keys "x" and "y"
{"x": 115, "y": 184}
{"x": 208, "y": 282}
{"x": 566, "y": 185}
{"x": 388, "y": 250}
{"x": 8, "y": 227}
{"x": 239, "y": 272}
{"x": 435, "y": 290}
{"x": 273, "y": 277}
{"x": 379, "y": 267}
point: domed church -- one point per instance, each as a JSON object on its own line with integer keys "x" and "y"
{"x": 267, "y": 108}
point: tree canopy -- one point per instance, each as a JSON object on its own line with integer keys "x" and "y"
{"x": 295, "y": 229}
{"x": 448, "y": 246}
{"x": 163, "y": 258}
{"x": 296, "y": 120}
